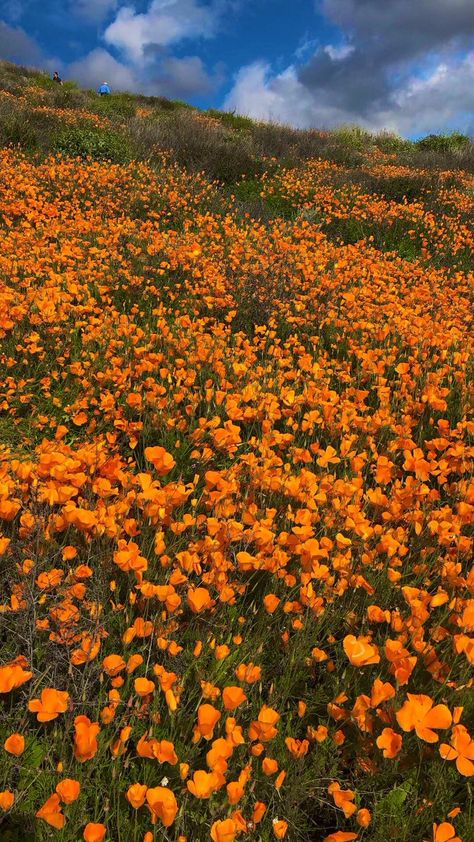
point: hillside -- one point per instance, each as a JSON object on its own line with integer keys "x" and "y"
{"x": 236, "y": 476}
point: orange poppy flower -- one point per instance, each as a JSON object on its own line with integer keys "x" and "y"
{"x": 68, "y": 790}
{"x": 263, "y": 728}
{"x": 269, "y": 766}
{"x": 390, "y": 742}
{"x": 13, "y": 676}
{"x": 136, "y": 795}
{"x": 271, "y": 603}
{"x": 51, "y": 813}
{"x": 280, "y": 826}
{"x": 7, "y": 799}
{"x": 298, "y": 748}
{"x": 360, "y": 652}
{"x": 224, "y": 831}
{"x": 381, "y": 692}
{"x": 248, "y": 673}
{"x": 94, "y": 832}
{"x": 161, "y": 460}
{"x": 85, "y": 738}
{"x": 129, "y": 559}
{"x": 258, "y": 812}
{"x": 445, "y": 832}
{"x": 363, "y": 817}
{"x": 133, "y": 662}
{"x": 50, "y": 705}
{"x": 15, "y": 744}
{"x": 164, "y": 752}
{"x": 208, "y": 717}
{"x": 233, "y": 697}
{"x": 143, "y": 686}
{"x": 203, "y": 784}
{"x": 418, "y": 714}
{"x": 341, "y": 836}
{"x": 219, "y": 753}
{"x": 402, "y": 663}
{"x": 113, "y": 665}
{"x": 461, "y": 749}
{"x": 199, "y": 599}
{"x": 162, "y": 804}
{"x": 343, "y": 798}
{"x": 235, "y": 791}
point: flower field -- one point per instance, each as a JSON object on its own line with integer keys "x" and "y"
{"x": 236, "y": 503}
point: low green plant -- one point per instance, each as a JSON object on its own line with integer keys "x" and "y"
{"x": 119, "y": 105}
{"x": 233, "y": 121}
{"x": 390, "y": 142}
{"x": 98, "y": 144}
{"x": 454, "y": 142}
{"x": 16, "y": 130}
{"x": 353, "y": 137}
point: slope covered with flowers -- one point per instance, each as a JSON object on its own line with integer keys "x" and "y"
{"x": 236, "y": 506}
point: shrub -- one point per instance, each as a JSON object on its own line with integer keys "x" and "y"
{"x": 390, "y": 142}
{"x": 64, "y": 96}
{"x": 455, "y": 142}
{"x": 292, "y": 145}
{"x": 353, "y": 137}
{"x": 98, "y": 144}
{"x": 249, "y": 200}
{"x": 233, "y": 121}
{"x": 16, "y": 128}
{"x": 120, "y": 105}
{"x": 198, "y": 145}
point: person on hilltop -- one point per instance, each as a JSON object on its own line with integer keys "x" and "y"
{"x": 104, "y": 89}
{"x": 57, "y": 78}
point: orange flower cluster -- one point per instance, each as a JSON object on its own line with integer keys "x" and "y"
{"x": 236, "y": 508}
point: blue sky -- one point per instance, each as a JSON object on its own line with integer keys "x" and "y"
{"x": 402, "y": 65}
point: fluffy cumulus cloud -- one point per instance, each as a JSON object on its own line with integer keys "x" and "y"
{"x": 16, "y": 45}
{"x": 401, "y": 65}
{"x": 166, "y": 22}
{"x": 187, "y": 76}
{"x": 99, "y": 66}
{"x": 170, "y": 76}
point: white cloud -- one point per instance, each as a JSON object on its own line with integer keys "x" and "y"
{"x": 443, "y": 99}
{"x": 280, "y": 98}
{"x": 16, "y": 45}
{"x": 339, "y": 53}
{"x": 166, "y": 22}
{"x": 172, "y": 77}
{"x": 98, "y": 66}
{"x": 184, "y": 77}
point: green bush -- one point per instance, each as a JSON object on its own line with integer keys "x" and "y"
{"x": 98, "y": 144}
{"x": 16, "y": 130}
{"x": 455, "y": 142}
{"x": 119, "y": 105}
{"x": 353, "y": 137}
{"x": 66, "y": 96}
{"x": 391, "y": 142}
{"x": 197, "y": 145}
{"x": 231, "y": 120}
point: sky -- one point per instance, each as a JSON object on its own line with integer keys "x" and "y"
{"x": 398, "y": 65}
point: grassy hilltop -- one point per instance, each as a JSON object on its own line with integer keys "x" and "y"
{"x": 236, "y": 476}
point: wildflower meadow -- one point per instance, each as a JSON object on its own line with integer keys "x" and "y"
{"x": 236, "y": 499}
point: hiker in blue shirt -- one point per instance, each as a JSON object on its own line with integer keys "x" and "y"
{"x": 104, "y": 89}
